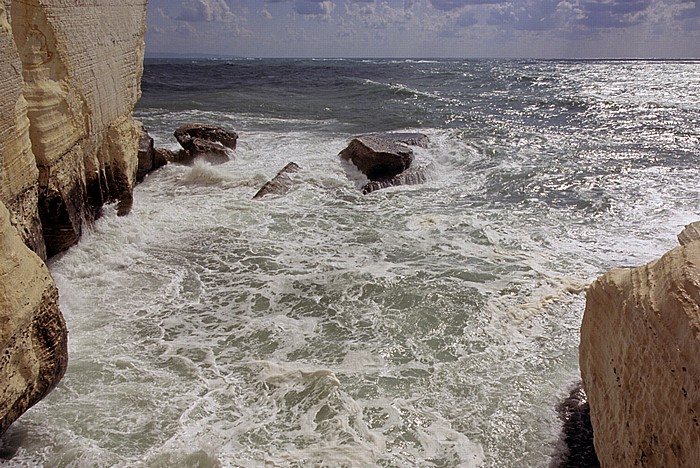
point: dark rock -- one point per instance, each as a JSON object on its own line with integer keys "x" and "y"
{"x": 576, "y": 440}
{"x": 148, "y": 158}
{"x": 281, "y": 183}
{"x": 378, "y": 158}
{"x": 187, "y": 135}
{"x": 410, "y": 139}
{"x": 416, "y": 174}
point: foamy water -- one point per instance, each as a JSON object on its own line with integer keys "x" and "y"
{"x": 431, "y": 325}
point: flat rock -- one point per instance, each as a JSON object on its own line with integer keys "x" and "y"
{"x": 281, "y": 183}
{"x": 377, "y": 158}
{"x": 410, "y": 139}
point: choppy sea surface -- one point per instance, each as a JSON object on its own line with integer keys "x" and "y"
{"x": 433, "y": 325}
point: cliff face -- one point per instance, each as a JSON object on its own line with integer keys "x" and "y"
{"x": 33, "y": 339}
{"x": 640, "y": 344}
{"x": 70, "y": 74}
{"x": 74, "y": 77}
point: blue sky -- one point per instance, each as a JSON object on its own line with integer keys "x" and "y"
{"x": 426, "y": 28}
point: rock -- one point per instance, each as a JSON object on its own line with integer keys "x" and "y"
{"x": 377, "y": 158}
{"x": 33, "y": 335}
{"x": 410, "y": 139}
{"x": 576, "y": 439}
{"x": 70, "y": 78}
{"x": 690, "y": 233}
{"x": 281, "y": 183}
{"x": 148, "y": 158}
{"x": 72, "y": 85}
{"x": 207, "y": 141}
{"x": 640, "y": 343}
{"x": 418, "y": 173}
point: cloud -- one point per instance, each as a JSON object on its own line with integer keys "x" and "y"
{"x": 449, "y": 5}
{"x": 216, "y": 11}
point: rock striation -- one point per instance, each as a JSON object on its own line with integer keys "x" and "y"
{"x": 33, "y": 336}
{"x": 70, "y": 76}
{"x": 73, "y": 76}
{"x": 640, "y": 343}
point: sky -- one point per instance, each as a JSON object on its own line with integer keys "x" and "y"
{"x": 425, "y": 28}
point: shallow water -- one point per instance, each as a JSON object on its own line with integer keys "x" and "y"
{"x": 431, "y": 325}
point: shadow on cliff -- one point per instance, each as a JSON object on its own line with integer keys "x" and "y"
{"x": 575, "y": 448}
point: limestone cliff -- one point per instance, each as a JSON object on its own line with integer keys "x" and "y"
{"x": 639, "y": 357}
{"x": 70, "y": 75}
{"x": 74, "y": 77}
{"x": 33, "y": 338}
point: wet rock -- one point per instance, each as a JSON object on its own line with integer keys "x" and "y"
{"x": 281, "y": 183}
{"x": 690, "y": 233}
{"x": 410, "y": 139}
{"x": 377, "y": 158}
{"x": 209, "y": 142}
{"x": 418, "y": 173}
{"x": 386, "y": 159}
{"x": 148, "y": 158}
{"x": 576, "y": 439}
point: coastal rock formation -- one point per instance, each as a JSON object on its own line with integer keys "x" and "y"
{"x": 640, "y": 342}
{"x": 418, "y": 173}
{"x": 377, "y": 158}
{"x": 149, "y": 159}
{"x": 70, "y": 77}
{"x": 206, "y": 141}
{"x": 690, "y": 233}
{"x": 386, "y": 160}
{"x": 73, "y": 76}
{"x": 281, "y": 183}
{"x": 33, "y": 336}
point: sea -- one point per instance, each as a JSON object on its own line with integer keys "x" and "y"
{"x": 431, "y": 325}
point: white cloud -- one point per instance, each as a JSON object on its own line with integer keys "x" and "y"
{"x": 216, "y": 11}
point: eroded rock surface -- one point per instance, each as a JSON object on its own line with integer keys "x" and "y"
{"x": 72, "y": 72}
{"x": 33, "y": 336}
{"x": 209, "y": 142}
{"x": 377, "y": 158}
{"x": 690, "y": 233}
{"x": 149, "y": 158}
{"x": 70, "y": 76}
{"x": 387, "y": 160}
{"x": 640, "y": 343}
{"x": 281, "y": 183}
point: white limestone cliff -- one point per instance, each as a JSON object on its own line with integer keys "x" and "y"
{"x": 639, "y": 358}
{"x": 70, "y": 76}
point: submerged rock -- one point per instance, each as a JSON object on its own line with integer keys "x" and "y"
{"x": 281, "y": 183}
{"x": 206, "y": 141}
{"x": 640, "y": 342}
